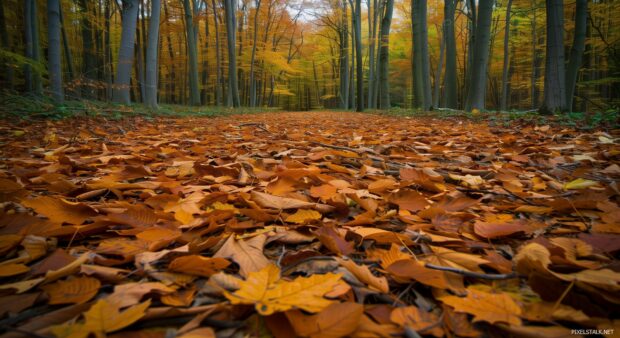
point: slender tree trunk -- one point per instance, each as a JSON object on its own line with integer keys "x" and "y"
{"x": 89, "y": 68}
{"x": 139, "y": 64}
{"x": 53, "y": 51}
{"x": 65, "y": 44}
{"x": 442, "y": 49}
{"x": 36, "y": 48}
{"x": 125, "y": 53}
{"x": 555, "y": 75}
{"x": 152, "y": 51}
{"x": 194, "y": 90}
{"x": 172, "y": 71}
{"x": 372, "y": 37}
{"x": 422, "y": 78}
{"x": 8, "y": 73}
{"x": 231, "y": 18}
{"x": 218, "y": 59}
{"x": 506, "y": 65}
{"x": 471, "y": 43}
{"x": 358, "y": 56}
{"x": 384, "y": 56}
{"x": 344, "y": 59}
{"x": 450, "y": 77}
{"x": 204, "y": 99}
{"x": 107, "y": 64}
{"x": 28, "y": 42}
{"x": 477, "y": 86}
{"x": 536, "y": 59}
{"x": 253, "y": 57}
{"x": 575, "y": 59}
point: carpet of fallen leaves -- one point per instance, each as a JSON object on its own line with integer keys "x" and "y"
{"x": 307, "y": 225}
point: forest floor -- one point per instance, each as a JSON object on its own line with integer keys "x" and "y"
{"x": 322, "y": 224}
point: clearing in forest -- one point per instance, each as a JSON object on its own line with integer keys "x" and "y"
{"x": 322, "y": 224}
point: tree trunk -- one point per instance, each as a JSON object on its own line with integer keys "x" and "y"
{"x": 8, "y": 73}
{"x": 555, "y": 75}
{"x": 125, "y": 53}
{"x": 576, "y": 53}
{"x": 28, "y": 43}
{"x": 384, "y": 56}
{"x": 172, "y": 70}
{"x": 477, "y": 86}
{"x": 219, "y": 86}
{"x": 253, "y": 57}
{"x": 89, "y": 68}
{"x": 471, "y": 42}
{"x": 53, "y": 51}
{"x": 372, "y": 37}
{"x": 204, "y": 99}
{"x": 344, "y": 59}
{"x": 421, "y": 70}
{"x": 358, "y": 56}
{"x": 437, "y": 91}
{"x": 504, "y": 99}
{"x": 152, "y": 51}
{"x": 450, "y": 77}
{"x": 65, "y": 44}
{"x": 194, "y": 90}
{"x": 231, "y": 29}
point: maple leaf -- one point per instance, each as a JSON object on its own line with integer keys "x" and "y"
{"x": 100, "y": 319}
{"x": 485, "y": 306}
{"x": 269, "y": 294}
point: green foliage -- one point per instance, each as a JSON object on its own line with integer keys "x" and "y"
{"x": 17, "y": 61}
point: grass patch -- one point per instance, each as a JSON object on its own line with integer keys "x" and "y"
{"x": 30, "y": 106}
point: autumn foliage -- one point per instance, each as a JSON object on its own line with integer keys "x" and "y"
{"x": 309, "y": 225}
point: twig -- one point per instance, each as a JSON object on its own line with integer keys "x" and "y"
{"x": 473, "y": 274}
{"x": 335, "y": 147}
{"x": 258, "y": 125}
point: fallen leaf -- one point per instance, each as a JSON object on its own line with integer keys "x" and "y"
{"x": 488, "y": 307}
{"x": 75, "y": 290}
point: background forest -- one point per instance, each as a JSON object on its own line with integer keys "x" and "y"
{"x": 300, "y": 55}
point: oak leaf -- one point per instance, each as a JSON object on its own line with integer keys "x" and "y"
{"x": 60, "y": 210}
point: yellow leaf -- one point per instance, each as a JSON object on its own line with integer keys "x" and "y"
{"x": 269, "y": 294}
{"x": 488, "y": 307}
{"x": 18, "y": 133}
{"x": 362, "y": 273}
{"x": 579, "y": 183}
{"x": 74, "y": 290}
{"x": 337, "y": 320}
{"x": 303, "y": 215}
{"x": 100, "y": 319}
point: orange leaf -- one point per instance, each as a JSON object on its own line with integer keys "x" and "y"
{"x": 75, "y": 290}
{"x": 198, "y": 265}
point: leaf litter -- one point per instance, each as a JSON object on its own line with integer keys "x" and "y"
{"x": 314, "y": 225}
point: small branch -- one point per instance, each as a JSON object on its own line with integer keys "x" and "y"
{"x": 335, "y": 147}
{"x": 258, "y": 125}
{"x": 473, "y": 274}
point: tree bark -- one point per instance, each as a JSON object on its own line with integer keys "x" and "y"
{"x": 384, "y": 56}
{"x": 372, "y": 37}
{"x": 253, "y": 57}
{"x": 575, "y": 59}
{"x": 152, "y": 51}
{"x": 194, "y": 90}
{"x": 504, "y": 99}
{"x": 125, "y": 53}
{"x": 344, "y": 59}
{"x": 53, "y": 51}
{"x": 219, "y": 86}
{"x": 231, "y": 29}
{"x": 89, "y": 68}
{"x": 450, "y": 77}
{"x": 358, "y": 56}
{"x": 477, "y": 86}
{"x": 555, "y": 75}
{"x": 421, "y": 70}
{"x": 437, "y": 90}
